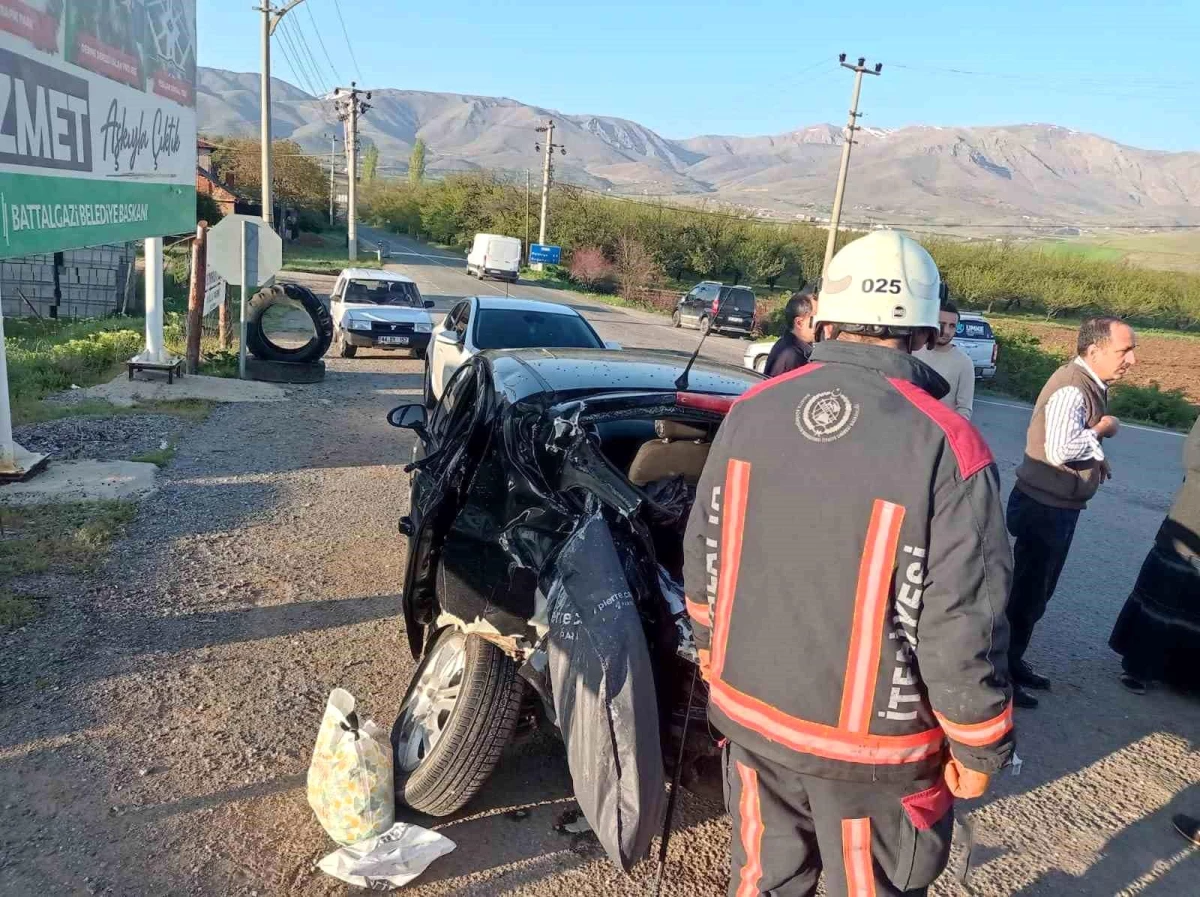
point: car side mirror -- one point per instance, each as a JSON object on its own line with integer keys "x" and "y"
{"x": 428, "y": 303}
{"x": 409, "y": 417}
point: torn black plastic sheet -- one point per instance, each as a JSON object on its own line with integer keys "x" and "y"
{"x": 604, "y": 694}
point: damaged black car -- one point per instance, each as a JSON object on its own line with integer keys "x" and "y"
{"x": 550, "y": 491}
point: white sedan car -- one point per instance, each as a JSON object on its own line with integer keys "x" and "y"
{"x": 498, "y": 322}
{"x": 378, "y": 310}
{"x": 974, "y": 336}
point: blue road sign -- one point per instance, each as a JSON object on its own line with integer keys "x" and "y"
{"x": 547, "y": 255}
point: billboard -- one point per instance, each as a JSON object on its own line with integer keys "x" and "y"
{"x": 97, "y": 122}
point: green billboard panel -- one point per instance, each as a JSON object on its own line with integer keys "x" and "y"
{"x": 97, "y": 122}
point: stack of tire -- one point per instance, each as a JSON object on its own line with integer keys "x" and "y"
{"x": 281, "y": 364}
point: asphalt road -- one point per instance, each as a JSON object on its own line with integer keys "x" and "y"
{"x": 1104, "y": 770}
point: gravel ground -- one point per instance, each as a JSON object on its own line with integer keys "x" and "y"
{"x": 156, "y": 721}
{"x": 116, "y": 438}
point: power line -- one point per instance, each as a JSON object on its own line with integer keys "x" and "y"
{"x": 337, "y": 79}
{"x": 302, "y": 40}
{"x": 346, "y": 34}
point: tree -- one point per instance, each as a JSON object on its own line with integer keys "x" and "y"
{"x": 370, "y": 164}
{"x": 207, "y": 209}
{"x": 416, "y": 162}
{"x": 589, "y": 267}
{"x": 636, "y": 268}
{"x": 298, "y": 180}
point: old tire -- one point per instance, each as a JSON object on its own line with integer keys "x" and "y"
{"x": 676, "y": 319}
{"x": 296, "y": 295}
{"x": 285, "y": 371}
{"x": 445, "y": 748}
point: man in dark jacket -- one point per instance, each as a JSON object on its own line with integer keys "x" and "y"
{"x": 792, "y": 350}
{"x": 857, "y": 663}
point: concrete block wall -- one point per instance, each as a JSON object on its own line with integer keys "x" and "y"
{"x": 91, "y": 282}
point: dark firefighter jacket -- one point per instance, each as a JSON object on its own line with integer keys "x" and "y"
{"x": 847, "y": 569}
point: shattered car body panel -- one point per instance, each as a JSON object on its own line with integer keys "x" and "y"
{"x": 527, "y": 454}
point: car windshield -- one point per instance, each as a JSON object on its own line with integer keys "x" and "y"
{"x": 513, "y": 328}
{"x": 383, "y": 292}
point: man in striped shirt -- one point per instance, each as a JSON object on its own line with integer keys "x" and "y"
{"x": 1064, "y": 465}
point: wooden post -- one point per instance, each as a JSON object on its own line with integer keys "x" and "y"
{"x": 195, "y": 316}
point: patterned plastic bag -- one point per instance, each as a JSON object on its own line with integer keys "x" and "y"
{"x": 350, "y": 776}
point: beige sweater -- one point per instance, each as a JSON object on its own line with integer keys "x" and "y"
{"x": 957, "y": 370}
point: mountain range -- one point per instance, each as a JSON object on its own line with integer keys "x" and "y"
{"x": 1034, "y": 175}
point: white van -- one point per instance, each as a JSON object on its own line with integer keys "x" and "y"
{"x": 495, "y": 256}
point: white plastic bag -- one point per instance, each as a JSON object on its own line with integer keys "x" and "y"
{"x": 350, "y": 776}
{"x": 389, "y": 860}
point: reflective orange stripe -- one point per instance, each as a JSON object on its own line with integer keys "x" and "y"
{"x": 750, "y": 811}
{"x": 699, "y": 611}
{"x": 733, "y": 519}
{"x": 856, "y": 854}
{"x": 979, "y": 734}
{"x": 822, "y": 740}
{"x": 870, "y": 612}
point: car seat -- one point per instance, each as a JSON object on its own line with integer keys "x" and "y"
{"x": 680, "y": 450}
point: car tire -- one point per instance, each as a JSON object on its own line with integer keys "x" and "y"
{"x": 471, "y": 733}
{"x": 419, "y": 354}
{"x": 760, "y": 364}
{"x": 676, "y": 319}
{"x": 344, "y": 349}
{"x": 705, "y": 325}
{"x": 293, "y": 294}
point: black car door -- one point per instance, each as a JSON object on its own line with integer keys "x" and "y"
{"x": 438, "y": 485}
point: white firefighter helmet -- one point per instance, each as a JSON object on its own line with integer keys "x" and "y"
{"x": 885, "y": 279}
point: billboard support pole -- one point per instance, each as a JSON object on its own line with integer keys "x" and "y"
{"x": 15, "y": 462}
{"x": 154, "y": 301}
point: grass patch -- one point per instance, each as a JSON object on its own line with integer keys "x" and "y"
{"x": 58, "y": 538}
{"x": 15, "y": 610}
{"x": 324, "y": 254}
{"x": 158, "y": 457}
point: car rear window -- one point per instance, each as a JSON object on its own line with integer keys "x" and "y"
{"x": 511, "y": 328}
{"x": 738, "y": 300}
{"x": 974, "y": 330}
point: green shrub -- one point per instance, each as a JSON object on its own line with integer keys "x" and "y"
{"x": 1165, "y": 407}
{"x": 1024, "y": 364}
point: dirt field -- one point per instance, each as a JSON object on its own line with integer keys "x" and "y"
{"x": 1171, "y": 360}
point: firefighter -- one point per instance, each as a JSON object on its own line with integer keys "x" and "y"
{"x": 857, "y": 661}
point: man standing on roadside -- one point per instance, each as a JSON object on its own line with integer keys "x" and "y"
{"x": 952, "y": 363}
{"x": 857, "y": 665}
{"x": 792, "y": 350}
{"x": 1064, "y": 466}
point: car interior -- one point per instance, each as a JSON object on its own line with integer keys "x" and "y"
{"x": 651, "y": 450}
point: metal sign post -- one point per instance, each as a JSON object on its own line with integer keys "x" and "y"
{"x": 249, "y": 279}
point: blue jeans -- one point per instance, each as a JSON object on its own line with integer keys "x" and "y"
{"x": 1043, "y": 537}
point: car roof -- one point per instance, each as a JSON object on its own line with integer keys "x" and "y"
{"x": 971, "y": 316}
{"x": 517, "y": 304}
{"x": 376, "y": 274}
{"x": 520, "y": 373}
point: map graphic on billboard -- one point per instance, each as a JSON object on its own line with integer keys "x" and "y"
{"x": 97, "y": 122}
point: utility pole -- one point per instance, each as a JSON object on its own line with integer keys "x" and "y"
{"x": 835, "y": 216}
{"x": 527, "y": 179}
{"x": 350, "y": 106}
{"x": 272, "y": 16}
{"x": 547, "y": 176}
{"x": 332, "y": 168}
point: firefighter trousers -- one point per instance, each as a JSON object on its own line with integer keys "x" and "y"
{"x": 870, "y": 838}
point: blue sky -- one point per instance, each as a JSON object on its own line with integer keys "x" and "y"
{"x": 1126, "y": 70}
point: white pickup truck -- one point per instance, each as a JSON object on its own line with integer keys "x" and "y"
{"x": 974, "y": 336}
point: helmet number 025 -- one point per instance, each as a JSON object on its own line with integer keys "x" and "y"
{"x": 881, "y": 285}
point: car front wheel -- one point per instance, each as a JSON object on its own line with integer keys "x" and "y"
{"x": 760, "y": 364}
{"x": 427, "y": 385}
{"x": 344, "y": 349}
{"x": 458, "y": 716}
